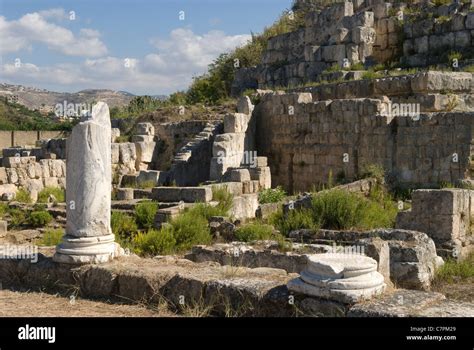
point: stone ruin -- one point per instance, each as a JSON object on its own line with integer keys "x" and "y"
{"x": 295, "y": 139}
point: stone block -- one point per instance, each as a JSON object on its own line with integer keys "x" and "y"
{"x": 245, "y": 106}
{"x": 185, "y": 194}
{"x": 148, "y": 176}
{"x": 115, "y": 134}
{"x": 235, "y": 123}
{"x": 3, "y": 176}
{"x": 145, "y": 129}
{"x": 3, "y": 228}
{"x": 244, "y": 206}
{"x": 364, "y": 35}
{"x": 124, "y": 194}
{"x": 239, "y": 175}
{"x": 143, "y": 138}
{"x": 145, "y": 151}
{"x": 334, "y": 53}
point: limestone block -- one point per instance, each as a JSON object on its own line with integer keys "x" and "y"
{"x": 312, "y": 53}
{"x": 365, "y": 50}
{"x": 352, "y": 53}
{"x": 342, "y": 35}
{"x": 34, "y": 186}
{"x": 363, "y": 19}
{"x": 143, "y": 138}
{"x": 239, "y": 175}
{"x": 262, "y": 175}
{"x": 363, "y": 35}
{"x": 234, "y": 188}
{"x": 148, "y": 176}
{"x": 334, "y": 53}
{"x": 12, "y": 175}
{"x": 437, "y": 81}
{"x": 129, "y": 180}
{"x": 18, "y": 162}
{"x": 50, "y": 182}
{"x": 245, "y": 106}
{"x": 186, "y": 194}
{"x": 3, "y": 176}
{"x": 228, "y": 144}
{"x": 115, "y": 134}
{"x": 462, "y": 38}
{"x": 262, "y": 162}
{"x": 145, "y": 151}
{"x": 7, "y": 188}
{"x": 244, "y": 206}
{"x": 235, "y": 123}
{"x": 470, "y": 20}
{"x": 127, "y": 154}
{"x": 421, "y": 44}
{"x": 115, "y": 148}
{"x": 124, "y": 194}
{"x": 145, "y": 129}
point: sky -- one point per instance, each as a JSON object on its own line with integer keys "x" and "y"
{"x": 145, "y": 47}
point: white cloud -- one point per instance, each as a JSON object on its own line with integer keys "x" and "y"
{"x": 35, "y": 28}
{"x": 178, "y": 58}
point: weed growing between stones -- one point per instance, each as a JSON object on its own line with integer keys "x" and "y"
{"x": 58, "y": 194}
{"x": 39, "y": 218}
{"x": 23, "y": 196}
{"x": 254, "y": 232}
{"x": 453, "y": 271}
{"x": 145, "y": 214}
{"x": 271, "y": 195}
{"x": 294, "y": 220}
{"x": 51, "y": 237}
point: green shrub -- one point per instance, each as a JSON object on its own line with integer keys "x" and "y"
{"x": 58, "y": 193}
{"x": 147, "y": 184}
{"x": 191, "y": 227}
{"x": 123, "y": 225}
{"x": 155, "y": 242}
{"x": 17, "y": 218}
{"x": 294, "y": 220}
{"x": 3, "y": 210}
{"x": 224, "y": 197}
{"x": 453, "y": 270}
{"x": 340, "y": 210}
{"x": 207, "y": 211}
{"x": 23, "y": 196}
{"x": 145, "y": 214}
{"x": 454, "y": 55}
{"x": 40, "y": 218}
{"x": 371, "y": 75}
{"x": 254, "y": 232}
{"x": 358, "y": 66}
{"x": 373, "y": 171}
{"x": 469, "y": 68}
{"x": 51, "y": 237}
{"x": 272, "y": 195}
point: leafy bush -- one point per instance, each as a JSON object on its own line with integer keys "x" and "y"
{"x": 123, "y": 225}
{"x": 340, "y": 210}
{"x": 23, "y": 196}
{"x": 294, "y": 220}
{"x": 58, "y": 193}
{"x": 40, "y": 218}
{"x": 145, "y": 214}
{"x": 51, "y": 237}
{"x": 155, "y": 242}
{"x": 3, "y": 210}
{"x": 17, "y": 218}
{"x": 272, "y": 195}
{"x": 370, "y": 74}
{"x": 254, "y": 232}
{"x": 453, "y": 270}
{"x": 225, "y": 199}
{"x": 373, "y": 171}
{"x": 191, "y": 227}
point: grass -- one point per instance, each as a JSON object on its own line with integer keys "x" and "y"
{"x": 3, "y": 210}
{"x": 145, "y": 214}
{"x": 254, "y": 232}
{"x": 51, "y": 237}
{"x": 57, "y": 192}
{"x": 295, "y": 220}
{"x": 453, "y": 271}
{"x": 147, "y": 184}
{"x": 469, "y": 69}
{"x": 224, "y": 197}
{"x": 271, "y": 195}
{"x": 18, "y": 218}
{"x": 23, "y": 196}
{"x": 155, "y": 242}
{"x": 341, "y": 210}
{"x": 39, "y": 218}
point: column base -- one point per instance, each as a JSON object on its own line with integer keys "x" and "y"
{"x": 87, "y": 250}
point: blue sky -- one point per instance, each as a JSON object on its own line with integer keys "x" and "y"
{"x": 141, "y": 46}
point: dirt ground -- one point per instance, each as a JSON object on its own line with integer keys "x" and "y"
{"x": 462, "y": 290}
{"x": 34, "y": 304}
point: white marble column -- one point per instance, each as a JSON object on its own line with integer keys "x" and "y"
{"x": 88, "y": 237}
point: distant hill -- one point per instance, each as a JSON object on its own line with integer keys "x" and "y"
{"x": 44, "y": 100}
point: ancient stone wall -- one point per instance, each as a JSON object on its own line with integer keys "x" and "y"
{"x": 306, "y": 142}
{"x": 23, "y": 138}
